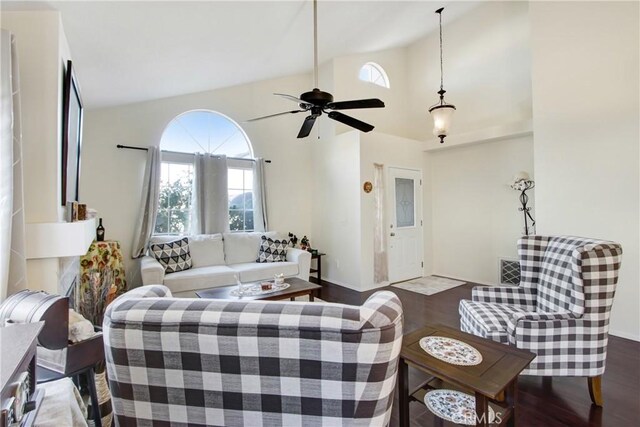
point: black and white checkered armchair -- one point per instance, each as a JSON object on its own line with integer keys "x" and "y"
{"x": 560, "y": 310}
{"x": 177, "y": 361}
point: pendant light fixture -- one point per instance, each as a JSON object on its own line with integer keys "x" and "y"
{"x": 441, "y": 112}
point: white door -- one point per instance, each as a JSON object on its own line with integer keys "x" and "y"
{"x": 405, "y": 229}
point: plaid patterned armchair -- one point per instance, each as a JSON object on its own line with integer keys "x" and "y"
{"x": 560, "y": 311}
{"x": 174, "y": 361}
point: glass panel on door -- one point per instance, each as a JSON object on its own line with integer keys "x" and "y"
{"x": 405, "y": 203}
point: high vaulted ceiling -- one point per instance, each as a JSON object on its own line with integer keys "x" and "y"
{"x": 132, "y": 51}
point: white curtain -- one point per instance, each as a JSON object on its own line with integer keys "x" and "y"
{"x": 148, "y": 204}
{"x": 380, "y": 261}
{"x": 210, "y": 196}
{"x": 12, "y": 245}
{"x": 260, "y": 222}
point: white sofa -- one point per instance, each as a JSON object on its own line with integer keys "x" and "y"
{"x": 217, "y": 258}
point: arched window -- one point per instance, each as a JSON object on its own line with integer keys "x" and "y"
{"x": 203, "y": 131}
{"x": 374, "y": 73}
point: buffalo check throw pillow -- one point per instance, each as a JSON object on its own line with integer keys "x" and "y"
{"x": 272, "y": 250}
{"x": 173, "y": 256}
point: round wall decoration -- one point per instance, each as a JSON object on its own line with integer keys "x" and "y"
{"x": 367, "y": 187}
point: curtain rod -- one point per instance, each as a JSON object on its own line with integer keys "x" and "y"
{"x": 131, "y": 147}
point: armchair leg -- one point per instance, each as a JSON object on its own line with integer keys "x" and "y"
{"x": 595, "y": 389}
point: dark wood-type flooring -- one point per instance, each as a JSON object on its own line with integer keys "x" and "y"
{"x": 562, "y": 401}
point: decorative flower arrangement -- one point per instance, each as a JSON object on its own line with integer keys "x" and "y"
{"x": 96, "y": 294}
{"x": 102, "y": 279}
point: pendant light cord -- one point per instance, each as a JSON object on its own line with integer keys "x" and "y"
{"x": 439, "y": 12}
{"x": 315, "y": 43}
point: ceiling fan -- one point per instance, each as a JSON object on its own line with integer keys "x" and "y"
{"x": 317, "y": 102}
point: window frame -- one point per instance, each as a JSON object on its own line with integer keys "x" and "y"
{"x": 174, "y": 158}
{"x": 243, "y": 165}
{"x": 377, "y": 67}
{"x": 204, "y": 110}
{"x": 187, "y": 158}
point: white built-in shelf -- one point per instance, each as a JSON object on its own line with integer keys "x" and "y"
{"x": 59, "y": 239}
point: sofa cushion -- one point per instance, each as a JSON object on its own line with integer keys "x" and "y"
{"x": 487, "y": 320}
{"x": 206, "y": 250}
{"x": 254, "y": 271}
{"x": 173, "y": 256}
{"x": 200, "y": 278}
{"x": 243, "y": 247}
{"x": 272, "y": 250}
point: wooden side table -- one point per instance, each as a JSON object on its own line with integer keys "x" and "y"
{"x": 493, "y": 380}
{"x": 318, "y": 270}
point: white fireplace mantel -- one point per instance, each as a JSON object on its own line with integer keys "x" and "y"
{"x": 59, "y": 239}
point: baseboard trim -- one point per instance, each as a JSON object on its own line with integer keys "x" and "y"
{"x": 339, "y": 283}
{"x": 624, "y": 335}
{"x": 350, "y": 287}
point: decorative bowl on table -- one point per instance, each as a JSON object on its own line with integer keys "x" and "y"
{"x": 256, "y": 289}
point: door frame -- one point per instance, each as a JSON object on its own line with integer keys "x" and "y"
{"x": 391, "y": 216}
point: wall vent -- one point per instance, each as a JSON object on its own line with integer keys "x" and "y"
{"x": 509, "y": 271}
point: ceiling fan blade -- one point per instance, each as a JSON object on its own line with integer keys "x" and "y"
{"x": 292, "y": 98}
{"x": 350, "y": 121}
{"x": 274, "y": 115}
{"x": 305, "y": 130}
{"x": 356, "y": 103}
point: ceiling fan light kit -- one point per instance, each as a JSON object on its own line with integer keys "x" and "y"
{"x": 317, "y": 102}
{"x": 441, "y": 112}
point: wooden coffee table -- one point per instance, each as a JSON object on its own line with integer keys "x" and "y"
{"x": 493, "y": 380}
{"x": 298, "y": 288}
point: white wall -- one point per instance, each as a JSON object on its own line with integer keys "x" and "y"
{"x": 585, "y": 104}
{"x": 393, "y": 118}
{"x": 343, "y": 159}
{"x": 487, "y": 70}
{"x": 471, "y": 214}
{"x": 344, "y": 217}
{"x": 40, "y": 81}
{"x": 336, "y": 207}
{"x": 475, "y": 217}
{"x": 391, "y": 151}
{"x": 111, "y": 180}
{"x": 42, "y": 57}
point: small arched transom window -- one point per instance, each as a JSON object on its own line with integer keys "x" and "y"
{"x": 203, "y": 131}
{"x": 374, "y": 73}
